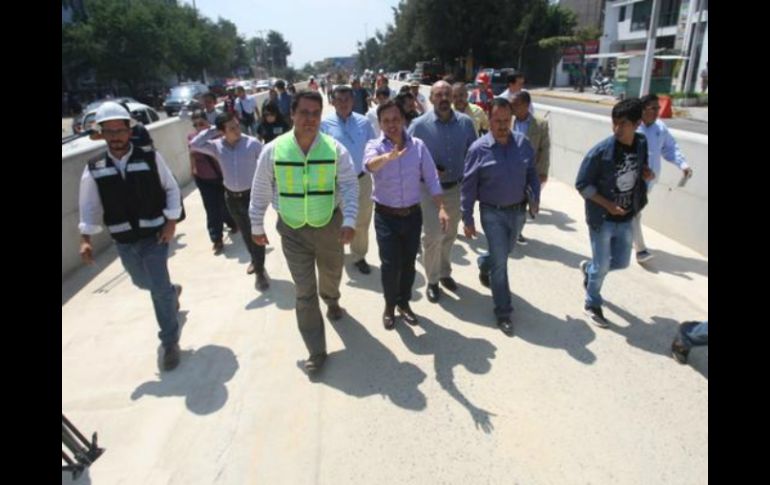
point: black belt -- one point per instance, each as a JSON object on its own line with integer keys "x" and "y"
{"x": 449, "y": 185}
{"x": 245, "y": 193}
{"x": 363, "y": 172}
{"x": 396, "y": 211}
{"x": 520, "y": 205}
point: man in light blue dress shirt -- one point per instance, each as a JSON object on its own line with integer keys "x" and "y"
{"x": 353, "y": 130}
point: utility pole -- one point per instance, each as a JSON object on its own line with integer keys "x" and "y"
{"x": 688, "y": 81}
{"x": 649, "y": 55}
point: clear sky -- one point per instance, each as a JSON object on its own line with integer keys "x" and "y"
{"x": 316, "y": 29}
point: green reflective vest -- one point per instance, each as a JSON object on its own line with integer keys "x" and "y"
{"x": 306, "y": 184}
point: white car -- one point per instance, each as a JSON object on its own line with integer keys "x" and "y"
{"x": 139, "y": 112}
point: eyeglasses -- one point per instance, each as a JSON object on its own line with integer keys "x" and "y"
{"x": 119, "y": 132}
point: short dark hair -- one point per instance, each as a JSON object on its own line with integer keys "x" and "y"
{"x": 382, "y": 91}
{"x": 223, "y": 118}
{"x": 210, "y": 95}
{"x": 524, "y": 95}
{"x": 306, "y": 94}
{"x": 513, "y": 78}
{"x": 648, "y": 99}
{"x": 404, "y": 89}
{"x": 500, "y": 103}
{"x": 630, "y": 109}
{"x": 279, "y": 84}
{"x": 197, "y": 115}
{"x": 387, "y": 105}
{"x": 341, "y": 89}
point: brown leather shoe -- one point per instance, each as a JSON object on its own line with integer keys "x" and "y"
{"x": 218, "y": 246}
{"x": 335, "y": 312}
{"x": 408, "y": 315}
{"x": 170, "y": 357}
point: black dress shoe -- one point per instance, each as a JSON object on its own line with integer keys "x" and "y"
{"x": 388, "y": 319}
{"x": 250, "y": 268}
{"x": 363, "y": 266}
{"x": 170, "y": 357}
{"x": 263, "y": 281}
{"x": 334, "y": 312}
{"x": 218, "y": 246}
{"x": 433, "y": 293}
{"x": 521, "y": 239}
{"x": 314, "y": 363}
{"x": 448, "y": 283}
{"x": 484, "y": 279}
{"x": 506, "y": 325}
{"x": 408, "y": 315}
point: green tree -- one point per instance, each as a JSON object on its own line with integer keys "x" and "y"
{"x": 559, "y": 26}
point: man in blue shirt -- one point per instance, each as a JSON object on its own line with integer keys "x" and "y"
{"x": 499, "y": 173}
{"x": 447, "y": 134}
{"x": 353, "y": 130}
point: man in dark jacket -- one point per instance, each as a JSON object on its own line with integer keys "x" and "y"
{"x": 611, "y": 180}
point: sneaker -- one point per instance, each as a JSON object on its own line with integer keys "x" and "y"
{"x": 584, "y": 268}
{"x": 597, "y": 316}
{"x": 506, "y": 325}
{"x": 484, "y": 279}
{"x": 363, "y": 266}
{"x": 178, "y": 290}
{"x": 263, "y": 281}
{"x": 643, "y": 256}
{"x": 170, "y": 357}
{"x": 679, "y": 352}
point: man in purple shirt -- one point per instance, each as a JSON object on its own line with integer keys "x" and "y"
{"x": 397, "y": 162}
{"x": 500, "y": 173}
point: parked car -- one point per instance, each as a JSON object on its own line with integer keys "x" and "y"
{"x": 77, "y": 121}
{"x": 262, "y": 85}
{"x": 186, "y": 95}
{"x": 139, "y": 112}
{"x": 500, "y": 79}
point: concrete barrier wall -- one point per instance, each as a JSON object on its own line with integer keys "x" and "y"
{"x": 680, "y": 213}
{"x": 170, "y": 137}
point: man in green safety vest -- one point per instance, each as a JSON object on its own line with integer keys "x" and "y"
{"x": 310, "y": 180}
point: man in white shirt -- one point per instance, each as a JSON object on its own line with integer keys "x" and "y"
{"x": 133, "y": 193}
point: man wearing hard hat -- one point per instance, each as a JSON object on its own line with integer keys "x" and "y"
{"x": 132, "y": 192}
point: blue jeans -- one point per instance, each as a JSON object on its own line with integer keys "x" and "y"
{"x": 693, "y": 334}
{"x": 502, "y": 227}
{"x": 611, "y": 249}
{"x": 146, "y": 262}
{"x": 213, "y": 195}
{"x": 398, "y": 239}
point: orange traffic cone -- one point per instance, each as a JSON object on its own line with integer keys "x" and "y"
{"x": 665, "y": 106}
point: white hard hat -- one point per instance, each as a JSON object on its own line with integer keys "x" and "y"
{"x": 111, "y": 110}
